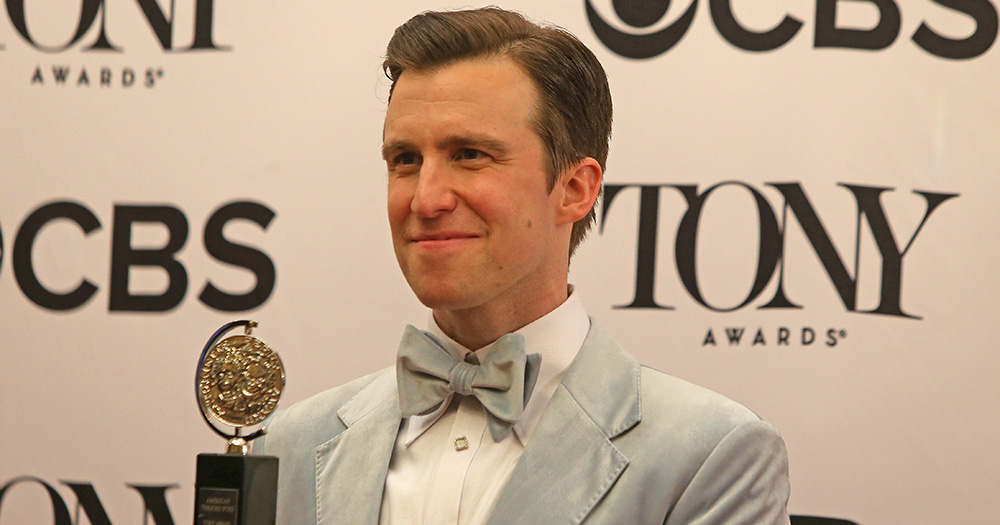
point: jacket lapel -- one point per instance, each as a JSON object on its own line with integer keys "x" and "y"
{"x": 351, "y": 467}
{"x": 569, "y": 463}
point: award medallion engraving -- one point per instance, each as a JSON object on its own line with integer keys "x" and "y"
{"x": 239, "y": 383}
{"x": 241, "y": 380}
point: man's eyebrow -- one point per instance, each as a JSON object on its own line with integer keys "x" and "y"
{"x": 389, "y": 148}
{"x": 475, "y": 141}
{"x": 452, "y": 141}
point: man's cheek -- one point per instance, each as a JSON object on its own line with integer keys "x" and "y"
{"x": 398, "y": 210}
{"x": 399, "y": 190}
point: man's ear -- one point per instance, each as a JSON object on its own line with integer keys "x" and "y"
{"x": 579, "y": 186}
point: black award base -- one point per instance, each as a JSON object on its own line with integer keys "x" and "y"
{"x": 233, "y": 489}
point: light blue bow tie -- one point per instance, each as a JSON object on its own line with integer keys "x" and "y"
{"x": 427, "y": 374}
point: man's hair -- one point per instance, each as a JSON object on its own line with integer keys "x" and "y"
{"x": 573, "y": 116}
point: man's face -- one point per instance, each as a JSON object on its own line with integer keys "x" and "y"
{"x": 474, "y": 225}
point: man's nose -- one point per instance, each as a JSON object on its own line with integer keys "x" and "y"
{"x": 435, "y": 193}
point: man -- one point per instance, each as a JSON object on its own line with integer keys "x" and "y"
{"x": 495, "y": 139}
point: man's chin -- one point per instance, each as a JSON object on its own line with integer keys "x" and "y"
{"x": 444, "y": 298}
{"x": 442, "y": 302}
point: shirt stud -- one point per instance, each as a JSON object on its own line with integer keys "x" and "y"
{"x": 461, "y": 443}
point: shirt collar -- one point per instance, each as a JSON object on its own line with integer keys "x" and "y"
{"x": 557, "y": 336}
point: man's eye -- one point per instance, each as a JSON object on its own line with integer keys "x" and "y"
{"x": 405, "y": 159}
{"x": 469, "y": 154}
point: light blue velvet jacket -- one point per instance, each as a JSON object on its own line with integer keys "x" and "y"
{"x": 619, "y": 443}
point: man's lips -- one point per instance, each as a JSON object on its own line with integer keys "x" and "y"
{"x": 442, "y": 239}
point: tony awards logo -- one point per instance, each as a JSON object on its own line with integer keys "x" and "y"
{"x": 238, "y": 384}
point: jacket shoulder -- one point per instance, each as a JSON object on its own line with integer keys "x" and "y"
{"x": 663, "y": 393}
{"x": 693, "y": 420}
{"x": 711, "y": 453}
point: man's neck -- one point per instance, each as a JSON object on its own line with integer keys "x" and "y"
{"x": 475, "y": 328}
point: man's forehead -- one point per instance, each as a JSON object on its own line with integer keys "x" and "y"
{"x": 489, "y": 87}
{"x": 472, "y": 73}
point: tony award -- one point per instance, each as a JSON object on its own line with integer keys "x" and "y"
{"x": 238, "y": 384}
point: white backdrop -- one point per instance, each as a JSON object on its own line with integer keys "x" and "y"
{"x": 887, "y": 418}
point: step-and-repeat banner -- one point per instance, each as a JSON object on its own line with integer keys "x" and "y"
{"x": 799, "y": 212}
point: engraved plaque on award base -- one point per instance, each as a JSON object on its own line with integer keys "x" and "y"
{"x": 234, "y": 489}
{"x": 238, "y": 384}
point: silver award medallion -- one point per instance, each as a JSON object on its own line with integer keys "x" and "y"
{"x": 239, "y": 382}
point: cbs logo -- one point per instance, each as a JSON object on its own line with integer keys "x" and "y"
{"x": 637, "y": 32}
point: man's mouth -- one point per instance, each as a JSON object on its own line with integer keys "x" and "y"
{"x": 442, "y": 239}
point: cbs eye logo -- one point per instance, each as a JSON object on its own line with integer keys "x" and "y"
{"x": 640, "y": 14}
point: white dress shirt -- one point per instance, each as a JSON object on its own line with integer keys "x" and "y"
{"x": 445, "y": 466}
